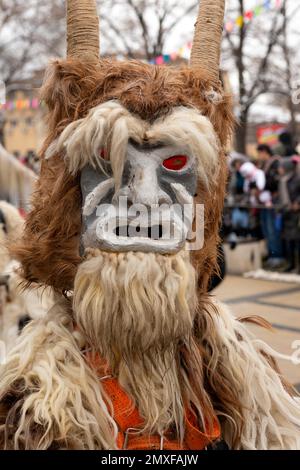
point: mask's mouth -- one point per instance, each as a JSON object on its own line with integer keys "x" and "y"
{"x": 164, "y": 231}
{"x": 154, "y": 232}
{"x": 123, "y": 236}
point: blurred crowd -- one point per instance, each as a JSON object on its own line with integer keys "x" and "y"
{"x": 264, "y": 202}
{"x": 30, "y": 160}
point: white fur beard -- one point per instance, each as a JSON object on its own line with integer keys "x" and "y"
{"x": 61, "y": 391}
{"x": 135, "y": 309}
{"x": 134, "y": 302}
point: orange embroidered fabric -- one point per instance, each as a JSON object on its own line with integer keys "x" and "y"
{"x": 128, "y": 419}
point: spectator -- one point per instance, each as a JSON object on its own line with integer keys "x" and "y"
{"x": 254, "y": 183}
{"x": 270, "y": 165}
{"x": 236, "y": 185}
{"x": 286, "y": 147}
{"x": 33, "y": 161}
{"x": 296, "y": 159}
{"x": 269, "y": 218}
{"x": 239, "y": 216}
{"x": 290, "y": 199}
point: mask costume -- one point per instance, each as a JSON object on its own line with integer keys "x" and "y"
{"x": 16, "y": 180}
{"x": 135, "y": 354}
{"x": 18, "y": 306}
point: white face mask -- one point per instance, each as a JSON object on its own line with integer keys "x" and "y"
{"x": 152, "y": 211}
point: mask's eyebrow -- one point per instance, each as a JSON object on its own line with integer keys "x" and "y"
{"x": 146, "y": 145}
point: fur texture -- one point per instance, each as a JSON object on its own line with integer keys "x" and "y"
{"x": 112, "y": 294}
{"x": 49, "y": 251}
{"x": 50, "y": 398}
{"x": 73, "y": 88}
{"x": 110, "y": 126}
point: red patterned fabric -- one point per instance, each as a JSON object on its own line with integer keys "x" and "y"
{"x": 127, "y": 417}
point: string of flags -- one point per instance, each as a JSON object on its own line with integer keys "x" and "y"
{"x": 182, "y": 52}
{"x": 249, "y": 15}
{"x": 20, "y": 104}
{"x": 230, "y": 26}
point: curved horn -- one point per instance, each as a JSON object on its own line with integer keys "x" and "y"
{"x": 206, "y": 50}
{"x": 82, "y": 29}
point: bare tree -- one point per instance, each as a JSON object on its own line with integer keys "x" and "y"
{"x": 141, "y": 28}
{"x": 253, "y": 49}
{"x": 286, "y": 72}
{"x": 29, "y": 32}
{"x": 33, "y": 31}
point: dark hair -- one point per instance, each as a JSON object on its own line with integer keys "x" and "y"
{"x": 286, "y": 138}
{"x": 265, "y": 148}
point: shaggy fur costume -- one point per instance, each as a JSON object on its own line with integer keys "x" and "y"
{"x": 197, "y": 353}
{"x": 51, "y": 398}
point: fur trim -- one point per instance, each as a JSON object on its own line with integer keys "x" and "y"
{"x": 110, "y": 126}
{"x": 49, "y": 250}
{"x": 72, "y": 88}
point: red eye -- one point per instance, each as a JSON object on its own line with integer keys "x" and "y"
{"x": 175, "y": 163}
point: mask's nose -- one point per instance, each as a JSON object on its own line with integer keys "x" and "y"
{"x": 143, "y": 187}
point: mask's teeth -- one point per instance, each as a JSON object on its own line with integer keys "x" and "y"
{"x": 155, "y": 232}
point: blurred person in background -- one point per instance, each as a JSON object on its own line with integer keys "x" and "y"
{"x": 290, "y": 199}
{"x": 255, "y": 196}
{"x": 236, "y": 184}
{"x": 239, "y": 215}
{"x": 254, "y": 184}
{"x": 296, "y": 159}
{"x": 269, "y": 163}
{"x": 33, "y": 161}
{"x": 286, "y": 147}
{"x": 271, "y": 223}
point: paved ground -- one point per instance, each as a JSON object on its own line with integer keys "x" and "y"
{"x": 277, "y": 302}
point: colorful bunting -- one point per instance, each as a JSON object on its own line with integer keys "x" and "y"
{"x": 239, "y": 21}
{"x": 20, "y": 104}
{"x": 250, "y": 14}
{"x": 258, "y": 10}
{"x": 166, "y": 58}
{"x": 183, "y": 52}
{"x": 230, "y": 26}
